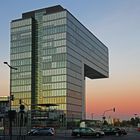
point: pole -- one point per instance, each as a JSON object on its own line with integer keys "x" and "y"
{"x": 10, "y": 120}
{"x": 72, "y": 122}
{"x": 107, "y": 111}
{"x": 92, "y": 116}
{"x": 27, "y": 106}
{"x": 4, "y": 125}
{"x": 21, "y": 124}
{"x": 10, "y": 127}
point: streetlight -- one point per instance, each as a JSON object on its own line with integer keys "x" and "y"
{"x": 11, "y": 98}
{"x": 10, "y": 66}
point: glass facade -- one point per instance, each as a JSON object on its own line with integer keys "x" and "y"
{"x": 53, "y": 58}
{"x": 21, "y": 58}
{"x": 54, "y": 53}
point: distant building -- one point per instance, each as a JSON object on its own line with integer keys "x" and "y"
{"x": 54, "y": 53}
{"x": 4, "y": 107}
{"x": 4, "y": 104}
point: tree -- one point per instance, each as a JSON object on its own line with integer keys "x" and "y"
{"x": 132, "y": 121}
{"x": 125, "y": 123}
{"x": 135, "y": 121}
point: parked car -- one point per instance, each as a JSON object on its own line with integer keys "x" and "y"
{"x": 31, "y": 131}
{"x": 138, "y": 129}
{"x": 114, "y": 131}
{"x": 123, "y": 131}
{"x": 87, "y": 131}
{"x": 47, "y": 131}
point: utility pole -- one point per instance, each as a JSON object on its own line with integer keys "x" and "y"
{"x": 113, "y": 109}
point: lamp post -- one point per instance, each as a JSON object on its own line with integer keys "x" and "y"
{"x": 11, "y": 98}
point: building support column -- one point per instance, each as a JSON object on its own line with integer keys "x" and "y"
{"x": 83, "y": 94}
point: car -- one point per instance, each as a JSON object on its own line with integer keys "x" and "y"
{"x": 31, "y": 131}
{"x": 123, "y": 131}
{"x": 138, "y": 129}
{"x": 114, "y": 131}
{"x": 87, "y": 131}
{"x": 47, "y": 131}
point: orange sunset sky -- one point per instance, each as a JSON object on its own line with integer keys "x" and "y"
{"x": 117, "y": 25}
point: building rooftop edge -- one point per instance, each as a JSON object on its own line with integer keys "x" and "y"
{"x": 49, "y": 10}
{"x": 54, "y": 9}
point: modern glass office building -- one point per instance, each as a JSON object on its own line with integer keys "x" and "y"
{"x": 54, "y": 53}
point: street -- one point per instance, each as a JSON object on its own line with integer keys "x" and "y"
{"x": 132, "y": 135}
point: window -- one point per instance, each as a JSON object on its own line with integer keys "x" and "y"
{"x": 54, "y": 71}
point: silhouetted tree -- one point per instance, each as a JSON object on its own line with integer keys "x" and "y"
{"x": 125, "y": 123}
{"x": 105, "y": 122}
{"x": 134, "y": 121}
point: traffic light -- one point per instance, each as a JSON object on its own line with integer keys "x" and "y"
{"x": 22, "y": 107}
{"x": 12, "y": 97}
{"x": 20, "y": 101}
{"x": 21, "y": 112}
{"x": 104, "y": 117}
{"x": 114, "y": 109}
